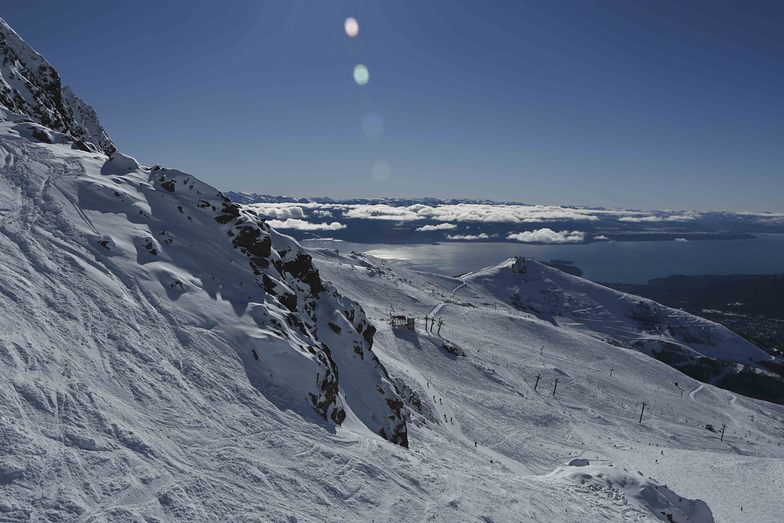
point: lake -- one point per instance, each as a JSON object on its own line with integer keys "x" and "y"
{"x": 610, "y": 261}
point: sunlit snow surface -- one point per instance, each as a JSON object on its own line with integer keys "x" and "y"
{"x": 124, "y": 396}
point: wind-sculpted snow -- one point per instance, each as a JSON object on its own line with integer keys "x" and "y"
{"x": 626, "y": 486}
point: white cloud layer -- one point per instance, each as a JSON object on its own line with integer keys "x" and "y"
{"x": 508, "y": 213}
{"x": 468, "y": 237}
{"x": 302, "y": 225}
{"x": 659, "y": 218}
{"x": 437, "y": 227}
{"x": 280, "y": 211}
{"x": 467, "y": 212}
{"x": 547, "y": 236}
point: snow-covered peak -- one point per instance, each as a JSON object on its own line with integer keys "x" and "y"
{"x": 696, "y": 346}
{"x": 549, "y": 292}
{"x": 30, "y": 86}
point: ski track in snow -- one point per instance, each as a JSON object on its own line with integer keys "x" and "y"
{"x": 696, "y": 390}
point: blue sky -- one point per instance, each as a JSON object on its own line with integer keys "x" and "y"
{"x": 633, "y": 104}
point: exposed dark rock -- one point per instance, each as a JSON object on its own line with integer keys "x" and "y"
{"x": 452, "y": 349}
{"x": 249, "y": 240}
{"x": 229, "y": 212}
{"x": 520, "y": 266}
{"x": 41, "y": 135}
{"x": 302, "y": 268}
{"x": 368, "y": 334}
{"x": 150, "y": 246}
{"x": 329, "y": 389}
{"x": 289, "y": 301}
{"x": 269, "y": 285}
{"x": 295, "y": 322}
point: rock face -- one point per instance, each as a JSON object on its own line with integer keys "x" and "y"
{"x": 84, "y": 123}
{"x": 30, "y": 86}
{"x": 327, "y": 328}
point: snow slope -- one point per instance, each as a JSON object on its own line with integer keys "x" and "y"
{"x": 481, "y": 373}
{"x": 166, "y": 356}
{"x": 619, "y": 318}
{"x": 699, "y": 347}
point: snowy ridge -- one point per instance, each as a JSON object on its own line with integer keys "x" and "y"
{"x": 629, "y": 321}
{"x": 30, "y": 86}
{"x": 699, "y": 347}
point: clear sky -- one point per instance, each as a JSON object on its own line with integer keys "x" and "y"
{"x": 634, "y": 104}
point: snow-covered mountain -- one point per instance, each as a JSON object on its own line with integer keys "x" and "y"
{"x": 700, "y": 348}
{"x": 165, "y": 355}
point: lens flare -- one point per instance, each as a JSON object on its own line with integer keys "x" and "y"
{"x": 361, "y": 74}
{"x": 352, "y": 27}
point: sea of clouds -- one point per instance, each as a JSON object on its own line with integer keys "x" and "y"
{"x": 487, "y": 221}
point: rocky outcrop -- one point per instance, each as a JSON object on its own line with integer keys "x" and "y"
{"x": 30, "y": 86}
{"x": 329, "y": 329}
